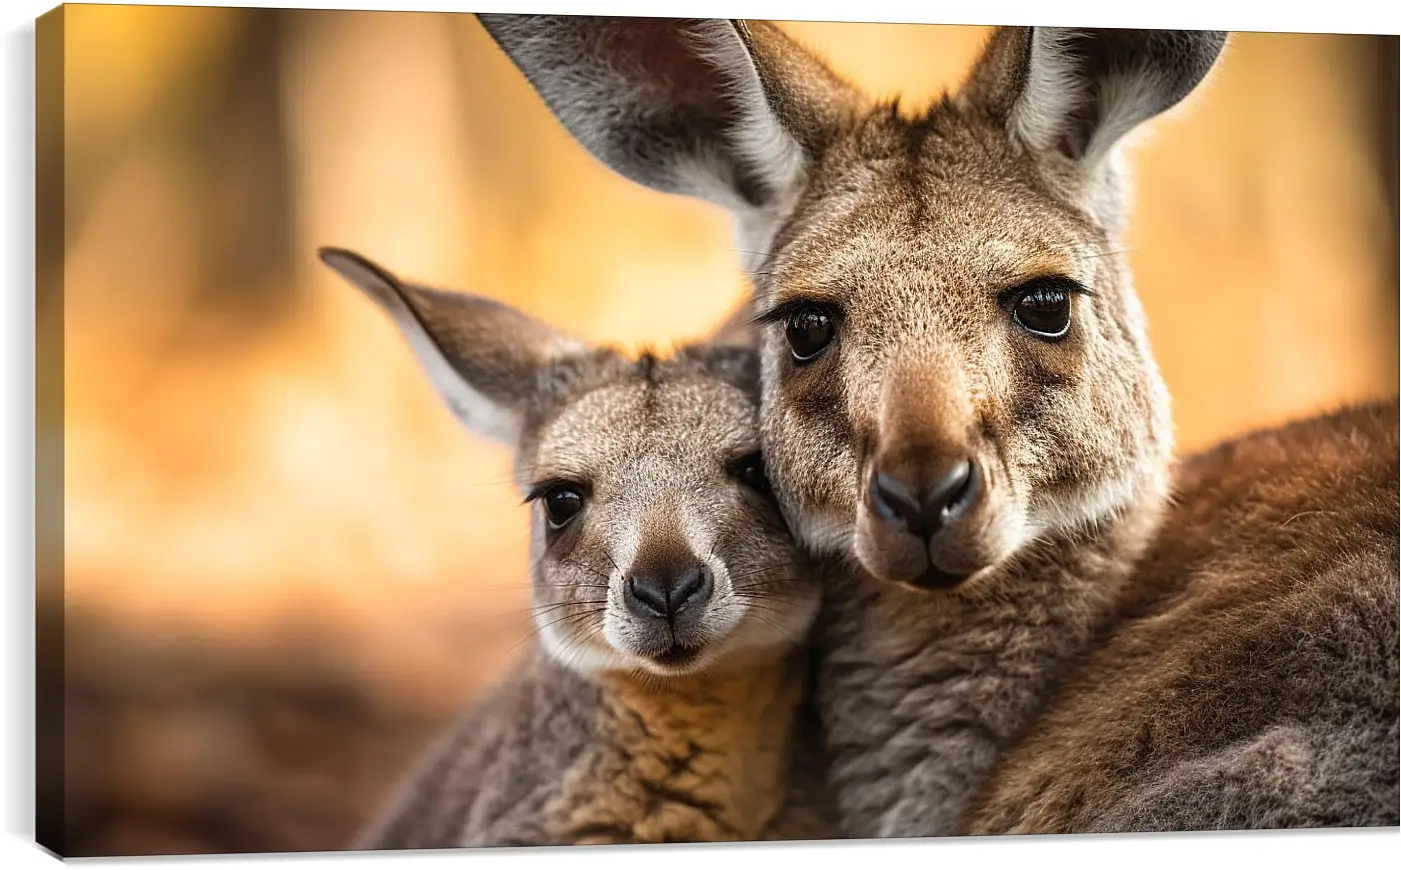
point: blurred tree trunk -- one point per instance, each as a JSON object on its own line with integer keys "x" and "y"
{"x": 216, "y": 114}
{"x": 106, "y": 108}
{"x": 376, "y": 148}
{"x": 1388, "y": 110}
{"x": 238, "y": 145}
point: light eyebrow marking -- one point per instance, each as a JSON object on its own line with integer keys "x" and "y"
{"x": 1051, "y": 264}
{"x": 791, "y": 294}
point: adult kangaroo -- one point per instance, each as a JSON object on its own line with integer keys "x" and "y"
{"x": 1036, "y": 619}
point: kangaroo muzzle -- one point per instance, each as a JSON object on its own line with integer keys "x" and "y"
{"x": 926, "y": 491}
{"x": 923, "y": 519}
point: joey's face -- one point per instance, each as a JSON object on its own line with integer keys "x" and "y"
{"x": 658, "y": 543}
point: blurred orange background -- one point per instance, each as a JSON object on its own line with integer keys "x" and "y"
{"x": 282, "y": 564}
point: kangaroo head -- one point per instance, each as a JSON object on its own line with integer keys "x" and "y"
{"x": 954, "y": 361}
{"x": 656, "y": 538}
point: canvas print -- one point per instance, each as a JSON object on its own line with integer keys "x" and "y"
{"x": 492, "y": 430}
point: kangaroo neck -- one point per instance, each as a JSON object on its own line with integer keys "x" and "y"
{"x": 920, "y": 693}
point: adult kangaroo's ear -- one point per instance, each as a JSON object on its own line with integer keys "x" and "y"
{"x": 483, "y": 357}
{"x": 1075, "y": 93}
{"x": 727, "y": 111}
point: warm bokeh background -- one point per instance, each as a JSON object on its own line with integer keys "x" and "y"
{"x": 282, "y": 563}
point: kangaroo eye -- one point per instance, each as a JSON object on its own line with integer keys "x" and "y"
{"x": 750, "y": 471}
{"x": 810, "y": 330}
{"x": 1042, "y": 310}
{"x": 562, "y": 504}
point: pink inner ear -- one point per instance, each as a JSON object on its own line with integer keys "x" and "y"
{"x": 1072, "y": 146}
{"x": 1079, "y": 130}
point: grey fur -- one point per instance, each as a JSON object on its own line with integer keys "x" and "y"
{"x": 983, "y": 708}
{"x": 596, "y": 737}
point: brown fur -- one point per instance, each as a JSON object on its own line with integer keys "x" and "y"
{"x": 1256, "y": 652}
{"x": 603, "y": 735}
{"x": 550, "y": 758}
{"x": 918, "y": 233}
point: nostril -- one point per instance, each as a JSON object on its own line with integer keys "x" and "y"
{"x": 895, "y": 503}
{"x": 954, "y": 491}
{"x": 956, "y": 484}
{"x": 645, "y": 597}
{"x": 664, "y": 595}
{"x": 693, "y": 590}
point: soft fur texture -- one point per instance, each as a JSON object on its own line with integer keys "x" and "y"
{"x": 553, "y": 758}
{"x": 1119, "y": 646}
{"x": 604, "y": 735}
{"x": 1250, "y": 677}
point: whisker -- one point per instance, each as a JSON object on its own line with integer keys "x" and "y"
{"x": 1103, "y": 254}
{"x": 765, "y": 570}
{"x": 767, "y": 604}
{"x": 760, "y": 594}
{"x": 588, "y": 568}
{"x": 768, "y": 584}
{"x": 757, "y": 611}
{"x": 571, "y": 585}
{"x": 575, "y": 644}
{"x": 492, "y": 481}
{"x": 539, "y": 629}
{"x": 545, "y": 608}
{"x": 776, "y": 627}
{"x": 582, "y": 613}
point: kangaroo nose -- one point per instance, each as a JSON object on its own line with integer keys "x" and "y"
{"x": 664, "y": 596}
{"x": 923, "y": 510}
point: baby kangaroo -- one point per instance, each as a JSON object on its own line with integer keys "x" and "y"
{"x": 1037, "y": 619}
{"x": 660, "y": 702}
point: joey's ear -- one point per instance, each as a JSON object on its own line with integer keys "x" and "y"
{"x": 484, "y": 357}
{"x": 1075, "y": 93}
{"x": 727, "y": 111}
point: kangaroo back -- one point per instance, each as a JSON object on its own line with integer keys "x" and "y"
{"x": 1253, "y": 680}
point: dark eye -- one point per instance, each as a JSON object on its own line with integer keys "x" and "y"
{"x": 751, "y": 473}
{"x": 1043, "y": 310}
{"x": 810, "y": 330}
{"x": 562, "y": 504}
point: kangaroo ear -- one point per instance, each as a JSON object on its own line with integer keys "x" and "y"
{"x": 1077, "y": 92}
{"x": 727, "y": 111}
{"x": 484, "y": 357}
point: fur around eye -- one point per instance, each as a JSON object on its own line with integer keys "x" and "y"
{"x": 751, "y": 472}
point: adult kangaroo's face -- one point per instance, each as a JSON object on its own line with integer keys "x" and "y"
{"x": 954, "y": 361}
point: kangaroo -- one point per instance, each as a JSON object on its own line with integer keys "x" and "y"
{"x": 663, "y": 700}
{"x": 1035, "y": 617}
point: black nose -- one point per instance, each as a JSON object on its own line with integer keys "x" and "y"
{"x": 924, "y": 509}
{"x": 664, "y": 596}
